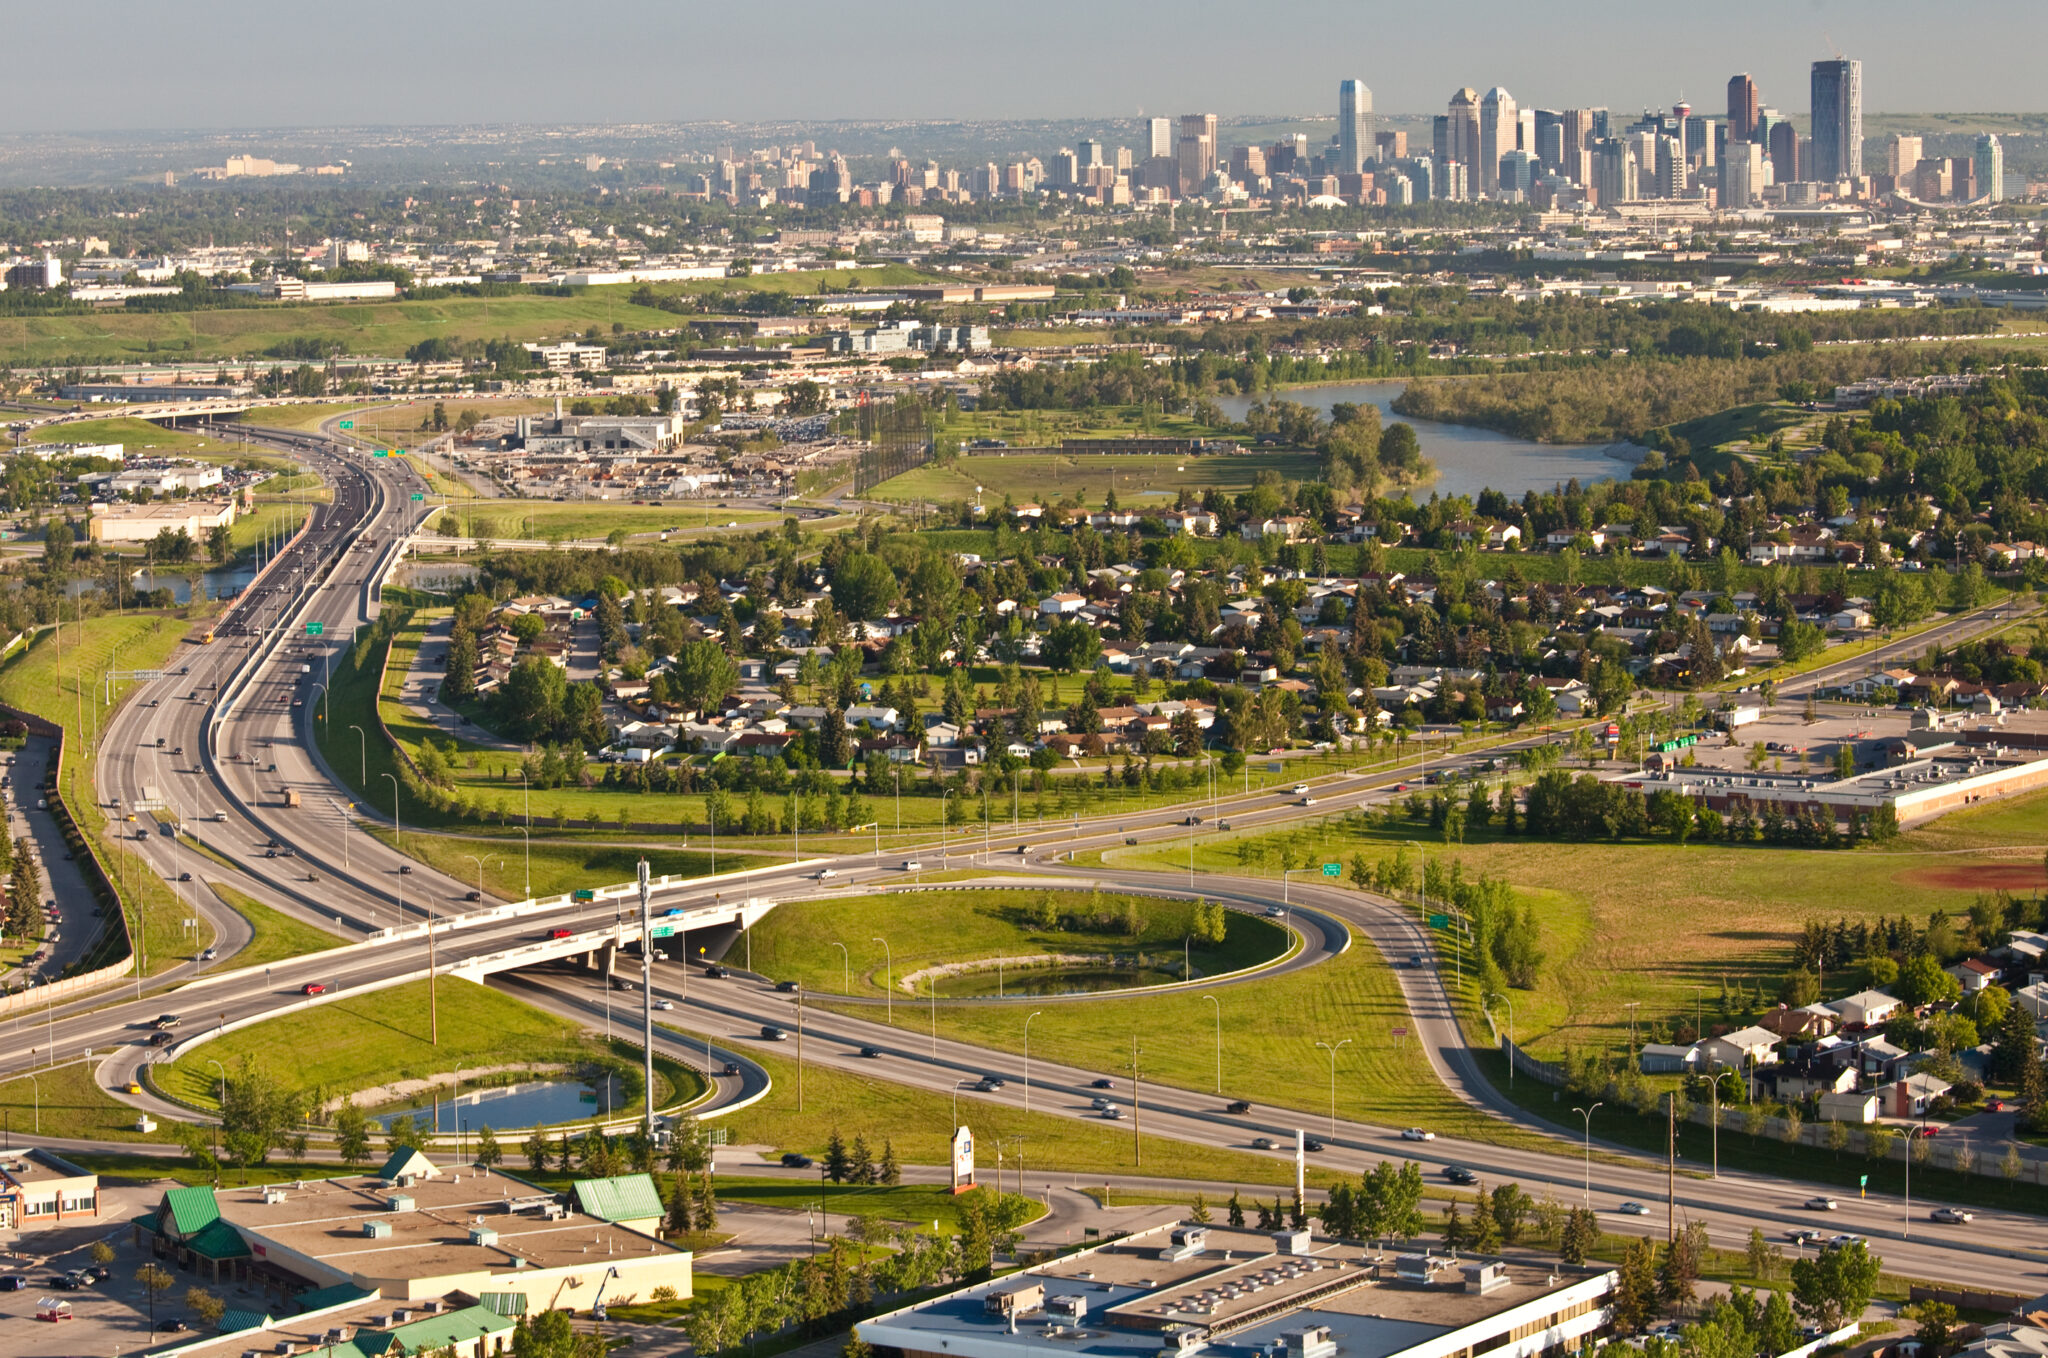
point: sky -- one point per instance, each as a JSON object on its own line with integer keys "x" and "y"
{"x": 118, "y": 64}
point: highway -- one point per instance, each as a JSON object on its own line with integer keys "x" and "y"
{"x": 234, "y": 719}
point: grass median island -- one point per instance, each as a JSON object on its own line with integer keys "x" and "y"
{"x": 67, "y": 1102}
{"x": 60, "y": 678}
{"x": 557, "y": 868}
{"x": 1139, "y": 934}
{"x": 918, "y": 1125}
{"x": 1660, "y": 925}
{"x": 380, "y": 1037}
{"x": 277, "y": 935}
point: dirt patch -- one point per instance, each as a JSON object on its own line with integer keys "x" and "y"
{"x": 2028, "y": 877}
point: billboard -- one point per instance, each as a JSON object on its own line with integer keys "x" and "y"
{"x": 963, "y": 1160}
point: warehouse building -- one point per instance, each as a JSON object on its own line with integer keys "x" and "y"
{"x": 119, "y": 522}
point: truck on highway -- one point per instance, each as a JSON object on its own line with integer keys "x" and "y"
{"x": 291, "y": 798}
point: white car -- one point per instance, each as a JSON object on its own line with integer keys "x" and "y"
{"x": 1954, "y": 1216}
{"x": 912, "y": 865}
{"x": 664, "y": 1004}
{"x": 823, "y": 873}
{"x": 1633, "y": 1209}
{"x": 1417, "y": 1134}
{"x": 1822, "y": 1204}
{"x": 1301, "y": 789}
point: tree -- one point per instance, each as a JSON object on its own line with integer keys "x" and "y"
{"x": 703, "y": 675}
{"x": 1922, "y": 981}
{"x": 57, "y": 542}
{"x": 1579, "y": 1237}
{"x": 681, "y": 1208}
{"x": 1834, "y": 1286}
{"x": 256, "y": 1113}
{"x": 459, "y": 684}
{"x": 1234, "y": 1211}
{"x": 1937, "y": 1326}
{"x": 1198, "y": 1210}
{"x": 488, "y": 1151}
{"x": 1635, "y": 1288}
{"x": 863, "y": 587}
{"x": 1762, "y": 1261}
{"x": 889, "y": 1172}
{"x": 206, "y": 1306}
{"x": 836, "y": 1166}
{"x": 536, "y": 1150}
{"x": 1072, "y": 646}
{"x": 534, "y": 694}
{"x": 352, "y": 1133}
{"x": 1777, "y": 1328}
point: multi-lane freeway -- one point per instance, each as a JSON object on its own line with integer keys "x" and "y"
{"x": 222, "y": 741}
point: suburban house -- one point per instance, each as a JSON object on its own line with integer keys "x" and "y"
{"x": 1743, "y": 1047}
{"x": 1865, "y": 1009}
{"x": 1911, "y": 1097}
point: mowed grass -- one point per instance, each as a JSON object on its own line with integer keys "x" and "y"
{"x": 383, "y": 424}
{"x": 379, "y": 328}
{"x": 59, "y": 679}
{"x": 361, "y": 1042}
{"x": 67, "y": 1102}
{"x": 918, "y": 1124}
{"x": 927, "y": 928}
{"x": 586, "y": 520}
{"x": 1139, "y": 480}
{"x": 138, "y": 437}
{"x": 917, "y": 1204}
{"x": 557, "y": 868}
{"x": 277, "y": 935}
{"x": 1662, "y": 926}
{"x": 1269, "y": 1036}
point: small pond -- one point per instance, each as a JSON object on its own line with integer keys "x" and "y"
{"x": 527, "y": 1104}
{"x": 1080, "y": 979}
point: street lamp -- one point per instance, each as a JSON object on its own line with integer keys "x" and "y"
{"x": 37, "y": 1087}
{"x": 1219, "y": 1040}
{"x": 845, "y": 968}
{"x": 888, "y": 984}
{"x": 491, "y": 858}
{"x": 1027, "y": 1057}
{"x": 1333, "y": 1077}
{"x": 1587, "y": 1114}
{"x": 323, "y": 700}
{"x": 362, "y": 755}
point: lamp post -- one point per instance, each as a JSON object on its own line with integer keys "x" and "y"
{"x": 489, "y": 858}
{"x": 1027, "y": 1057}
{"x": 1587, "y": 1114}
{"x": 845, "y": 968}
{"x": 433, "y": 994}
{"x": 362, "y": 755}
{"x": 1511, "y": 1032}
{"x": 1286, "y": 874}
{"x": 36, "y": 1087}
{"x": 1219, "y": 1040}
{"x": 1345, "y": 1042}
{"x": 888, "y": 984}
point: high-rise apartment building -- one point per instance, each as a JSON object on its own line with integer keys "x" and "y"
{"x": 1354, "y": 126}
{"x": 1066, "y": 168}
{"x": 1499, "y": 122}
{"x": 1160, "y": 133}
{"x": 1785, "y": 164}
{"x": 1902, "y": 154}
{"x": 1196, "y": 150}
{"x": 1837, "y": 120}
{"x": 1461, "y": 131}
{"x": 1989, "y": 164}
{"x": 1742, "y": 108}
{"x": 1090, "y": 153}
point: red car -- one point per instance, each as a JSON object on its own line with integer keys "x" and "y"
{"x": 314, "y": 988}
{"x": 558, "y": 933}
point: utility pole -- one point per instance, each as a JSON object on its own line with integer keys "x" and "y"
{"x": 647, "y": 989}
{"x": 1670, "y": 1168}
{"x": 1137, "y": 1119}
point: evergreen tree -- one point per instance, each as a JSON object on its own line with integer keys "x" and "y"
{"x": 535, "y": 1149}
{"x": 861, "y": 1162}
{"x": 1635, "y": 1289}
{"x": 1297, "y": 1214}
{"x": 488, "y": 1152}
{"x": 1454, "y": 1227}
{"x": 837, "y": 1166}
{"x": 1235, "y": 1213}
{"x": 1198, "y": 1210}
{"x": 889, "y": 1173}
{"x": 706, "y": 1216}
{"x": 681, "y": 1211}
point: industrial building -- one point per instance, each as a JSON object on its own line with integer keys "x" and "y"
{"x": 1183, "y": 1289}
{"x": 597, "y": 433}
{"x": 121, "y": 522}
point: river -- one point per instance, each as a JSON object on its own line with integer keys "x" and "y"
{"x": 1467, "y": 459}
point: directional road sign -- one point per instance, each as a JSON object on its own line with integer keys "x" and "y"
{"x": 314, "y": 629}
{"x": 1439, "y": 921}
{"x": 348, "y": 424}
{"x": 1333, "y": 869}
{"x": 417, "y": 496}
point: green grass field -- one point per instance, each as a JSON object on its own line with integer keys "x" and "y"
{"x": 381, "y": 328}
{"x": 798, "y": 284}
{"x": 796, "y": 941}
{"x": 589, "y": 520}
{"x": 1658, "y": 925}
{"x": 383, "y": 1035}
{"x": 382, "y": 424}
{"x": 138, "y": 436}
{"x": 59, "y": 679}
{"x": 557, "y": 868}
{"x": 277, "y": 935}
{"x": 67, "y": 1102}
{"x": 1139, "y": 480}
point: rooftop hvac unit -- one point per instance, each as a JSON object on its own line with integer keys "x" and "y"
{"x": 273, "y": 1195}
{"x": 399, "y": 1202}
{"x": 377, "y": 1230}
{"x": 482, "y": 1235}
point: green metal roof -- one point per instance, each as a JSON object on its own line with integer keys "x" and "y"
{"x": 503, "y": 1303}
{"x": 624, "y": 1197}
{"x": 191, "y": 1210}
{"x": 218, "y": 1240}
{"x": 234, "y": 1321}
{"x": 337, "y": 1295}
{"x": 457, "y": 1327}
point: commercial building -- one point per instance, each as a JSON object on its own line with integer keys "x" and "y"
{"x": 1354, "y": 126}
{"x": 1837, "y": 120}
{"x": 120, "y": 522}
{"x": 597, "y": 433}
{"x": 1185, "y": 1289}
{"x": 1498, "y": 122}
{"x": 1742, "y": 108}
{"x": 165, "y": 480}
{"x": 413, "y": 1232}
{"x": 1743, "y": 175}
{"x": 1989, "y": 162}
{"x": 36, "y": 275}
{"x": 1196, "y": 150}
{"x": 38, "y": 1188}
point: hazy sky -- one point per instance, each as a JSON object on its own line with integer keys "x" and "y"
{"x": 105, "y": 64}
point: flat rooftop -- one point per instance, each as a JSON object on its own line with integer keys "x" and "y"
{"x": 1240, "y": 1292}
{"x": 326, "y": 1220}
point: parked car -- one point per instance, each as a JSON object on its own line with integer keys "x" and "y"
{"x": 14, "y": 1282}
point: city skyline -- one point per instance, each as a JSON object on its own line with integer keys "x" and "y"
{"x": 520, "y": 63}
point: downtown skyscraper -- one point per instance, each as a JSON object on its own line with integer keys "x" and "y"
{"x": 1354, "y": 126}
{"x": 1837, "y": 120}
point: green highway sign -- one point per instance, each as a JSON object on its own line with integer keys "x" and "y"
{"x": 417, "y": 496}
{"x": 1333, "y": 870}
{"x": 585, "y": 895}
{"x": 1439, "y": 921}
{"x": 381, "y": 452}
{"x": 664, "y": 930}
{"x": 314, "y": 629}
{"x": 348, "y": 424}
